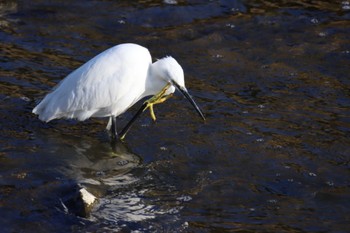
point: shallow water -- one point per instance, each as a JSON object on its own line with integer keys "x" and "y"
{"x": 271, "y": 77}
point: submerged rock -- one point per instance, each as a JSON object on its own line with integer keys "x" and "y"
{"x": 80, "y": 203}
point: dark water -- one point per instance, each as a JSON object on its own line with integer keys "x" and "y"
{"x": 273, "y": 156}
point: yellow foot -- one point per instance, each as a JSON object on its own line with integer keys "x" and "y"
{"x": 157, "y": 99}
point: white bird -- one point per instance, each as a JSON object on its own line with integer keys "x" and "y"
{"x": 112, "y": 82}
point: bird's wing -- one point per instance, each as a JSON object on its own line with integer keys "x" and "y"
{"x": 107, "y": 84}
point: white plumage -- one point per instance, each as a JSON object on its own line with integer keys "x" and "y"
{"x": 110, "y": 83}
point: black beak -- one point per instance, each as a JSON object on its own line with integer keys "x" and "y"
{"x": 184, "y": 91}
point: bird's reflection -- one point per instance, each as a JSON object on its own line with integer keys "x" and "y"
{"x": 87, "y": 159}
{"x": 116, "y": 161}
{"x": 125, "y": 190}
{"x": 106, "y": 160}
{"x": 118, "y": 147}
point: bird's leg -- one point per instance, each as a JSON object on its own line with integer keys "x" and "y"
{"x": 157, "y": 99}
{"x": 114, "y": 132}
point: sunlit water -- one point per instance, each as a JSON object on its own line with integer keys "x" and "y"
{"x": 271, "y": 77}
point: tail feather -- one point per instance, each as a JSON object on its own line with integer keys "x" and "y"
{"x": 40, "y": 111}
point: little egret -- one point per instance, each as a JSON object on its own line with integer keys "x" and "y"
{"x": 112, "y": 82}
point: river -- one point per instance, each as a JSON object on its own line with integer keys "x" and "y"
{"x": 272, "y": 78}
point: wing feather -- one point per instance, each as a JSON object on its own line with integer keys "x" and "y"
{"x": 106, "y": 85}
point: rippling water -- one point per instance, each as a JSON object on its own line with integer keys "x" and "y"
{"x": 273, "y": 156}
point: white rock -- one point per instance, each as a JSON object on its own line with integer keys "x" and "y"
{"x": 87, "y": 197}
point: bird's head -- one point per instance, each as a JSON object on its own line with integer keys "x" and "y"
{"x": 170, "y": 71}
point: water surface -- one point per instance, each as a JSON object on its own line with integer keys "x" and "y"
{"x": 271, "y": 77}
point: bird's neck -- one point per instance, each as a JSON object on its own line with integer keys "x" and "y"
{"x": 155, "y": 81}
